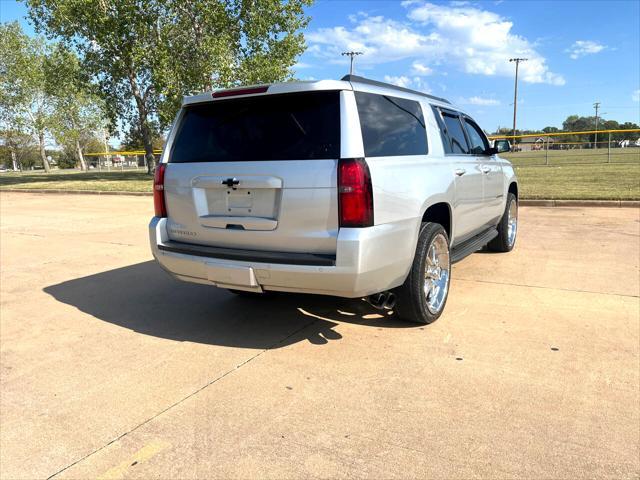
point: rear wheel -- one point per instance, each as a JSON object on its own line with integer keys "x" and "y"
{"x": 423, "y": 295}
{"x": 507, "y": 228}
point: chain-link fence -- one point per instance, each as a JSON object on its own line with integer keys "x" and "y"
{"x": 108, "y": 161}
{"x": 552, "y": 149}
{"x": 565, "y": 148}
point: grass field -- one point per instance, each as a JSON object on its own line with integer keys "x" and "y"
{"x": 567, "y": 181}
{"x": 580, "y": 182}
{"x": 114, "y": 181}
{"x": 578, "y": 156}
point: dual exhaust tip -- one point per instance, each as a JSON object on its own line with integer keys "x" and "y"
{"x": 383, "y": 300}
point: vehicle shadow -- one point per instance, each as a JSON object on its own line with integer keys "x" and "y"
{"x": 144, "y": 298}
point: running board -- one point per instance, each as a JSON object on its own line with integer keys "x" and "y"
{"x": 472, "y": 245}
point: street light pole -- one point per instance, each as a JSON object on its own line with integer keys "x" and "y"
{"x": 515, "y": 92}
{"x": 351, "y": 55}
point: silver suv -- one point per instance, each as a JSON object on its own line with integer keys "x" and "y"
{"x": 353, "y": 188}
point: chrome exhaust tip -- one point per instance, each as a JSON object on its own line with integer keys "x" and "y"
{"x": 382, "y": 300}
{"x": 390, "y": 301}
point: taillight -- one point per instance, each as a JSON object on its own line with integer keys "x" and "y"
{"x": 355, "y": 194}
{"x": 158, "y": 190}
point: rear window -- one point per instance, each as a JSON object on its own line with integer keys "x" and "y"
{"x": 298, "y": 126}
{"x": 391, "y": 126}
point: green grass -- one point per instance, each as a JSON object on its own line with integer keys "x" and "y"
{"x": 616, "y": 181}
{"x": 580, "y": 182}
{"x": 577, "y": 156}
{"x": 114, "y": 181}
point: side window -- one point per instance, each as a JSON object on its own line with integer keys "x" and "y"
{"x": 456, "y": 134}
{"x": 391, "y": 126}
{"x": 479, "y": 144}
{"x": 446, "y": 142}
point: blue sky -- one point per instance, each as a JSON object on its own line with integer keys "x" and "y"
{"x": 579, "y": 53}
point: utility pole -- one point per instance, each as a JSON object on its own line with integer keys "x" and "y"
{"x": 597, "y": 107}
{"x": 351, "y": 55}
{"x": 515, "y": 93}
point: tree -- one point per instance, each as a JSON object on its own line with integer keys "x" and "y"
{"x": 575, "y": 123}
{"x": 133, "y": 139}
{"x": 145, "y": 55}
{"x": 24, "y": 103}
{"x": 67, "y": 157}
{"x": 117, "y": 42}
{"x": 630, "y": 135}
{"x": 212, "y": 44}
{"x": 78, "y": 113}
{"x": 18, "y": 145}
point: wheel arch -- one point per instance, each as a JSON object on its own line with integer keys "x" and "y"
{"x": 442, "y": 213}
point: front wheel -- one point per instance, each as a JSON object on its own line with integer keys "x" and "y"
{"x": 423, "y": 295}
{"x": 507, "y": 228}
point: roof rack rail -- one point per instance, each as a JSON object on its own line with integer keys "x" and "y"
{"x": 356, "y": 78}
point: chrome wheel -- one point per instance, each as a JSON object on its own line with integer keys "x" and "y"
{"x": 512, "y": 223}
{"x": 436, "y": 273}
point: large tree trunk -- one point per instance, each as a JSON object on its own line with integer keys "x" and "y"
{"x": 143, "y": 114}
{"x": 43, "y": 154}
{"x": 83, "y": 164}
{"x": 14, "y": 160}
{"x": 148, "y": 148}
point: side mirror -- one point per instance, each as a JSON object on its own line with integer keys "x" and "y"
{"x": 501, "y": 146}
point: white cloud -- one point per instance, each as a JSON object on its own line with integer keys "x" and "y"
{"x": 481, "y": 42}
{"x": 379, "y": 39}
{"x": 473, "y": 40}
{"x": 401, "y": 81}
{"x": 415, "y": 83}
{"x": 635, "y": 95}
{"x": 486, "y": 102}
{"x": 580, "y": 48}
{"x": 420, "y": 69}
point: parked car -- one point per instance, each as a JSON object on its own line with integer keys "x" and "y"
{"x": 352, "y": 188}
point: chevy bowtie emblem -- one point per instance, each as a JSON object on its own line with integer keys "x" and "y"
{"x": 231, "y": 182}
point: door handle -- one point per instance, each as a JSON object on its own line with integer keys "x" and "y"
{"x": 485, "y": 169}
{"x": 460, "y": 171}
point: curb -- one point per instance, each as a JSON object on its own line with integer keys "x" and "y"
{"x": 523, "y": 202}
{"x": 580, "y": 203}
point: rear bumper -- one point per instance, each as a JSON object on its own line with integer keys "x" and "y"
{"x": 367, "y": 261}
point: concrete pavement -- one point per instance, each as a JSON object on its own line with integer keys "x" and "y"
{"x": 110, "y": 368}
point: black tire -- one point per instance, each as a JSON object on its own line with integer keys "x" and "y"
{"x": 411, "y": 302}
{"x": 501, "y": 243}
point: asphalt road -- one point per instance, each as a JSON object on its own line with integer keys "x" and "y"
{"x": 110, "y": 368}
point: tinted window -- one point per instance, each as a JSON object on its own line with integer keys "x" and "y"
{"x": 479, "y": 143}
{"x": 391, "y": 126}
{"x": 455, "y": 133}
{"x": 300, "y": 126}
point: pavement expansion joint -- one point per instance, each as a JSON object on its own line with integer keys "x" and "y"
{"x": 560, "y": 289}
{"x": 175, "y": 404}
